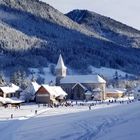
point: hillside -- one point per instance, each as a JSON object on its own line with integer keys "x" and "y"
{"x": 14, "y": 40}
{"x": 107, "y": 28}
{"x": 33, "y": 34}
{"x": 42, "y": 10}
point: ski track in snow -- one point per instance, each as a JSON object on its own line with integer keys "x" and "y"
{"x": 92, "y": 130}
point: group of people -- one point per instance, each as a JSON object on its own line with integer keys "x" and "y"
{"x": 66, "y": 104}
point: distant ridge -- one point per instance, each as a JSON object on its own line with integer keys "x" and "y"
{"x": 106, "y": 27}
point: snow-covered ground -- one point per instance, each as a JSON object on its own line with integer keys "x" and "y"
{"x": 108, "y": 72}
{"x": 114, "y": 121}
{"x": 28, "y": 110}
{"x": 25, "y": 111}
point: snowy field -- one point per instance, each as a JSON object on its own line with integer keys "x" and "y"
{"x": 103, "y": 122}
{"x": 28, "y": 111}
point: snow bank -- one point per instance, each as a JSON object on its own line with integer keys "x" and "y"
{"x": 10, "y": 100}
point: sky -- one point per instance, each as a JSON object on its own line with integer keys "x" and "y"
{"x": 125, "y": 11}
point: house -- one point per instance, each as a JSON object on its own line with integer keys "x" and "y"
{"x": 115, "y": 92}
{"x": 9, "y": 91}
{"x": 77, "y": 86}
{"x": 50, "y": 94}
{"x": 9, "y": 94}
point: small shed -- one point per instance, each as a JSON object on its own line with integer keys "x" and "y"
{"x": 115, "y": 92}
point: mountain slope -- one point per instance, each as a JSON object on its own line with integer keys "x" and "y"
{"x": 44, "y": 11}
{"x": 107, "y": 28}
{"x": 34, "y": 34}
{"x": 11, "y": 38}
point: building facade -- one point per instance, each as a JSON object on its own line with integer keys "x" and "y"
{"x": 78, "y": 85}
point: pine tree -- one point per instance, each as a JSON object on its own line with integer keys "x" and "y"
{"x": 19, "y": 78}
{"x": 52, "y": 69}
{"x": 116, "y": 79}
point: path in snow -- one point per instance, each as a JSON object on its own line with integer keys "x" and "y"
{"x": 119, "y": 122}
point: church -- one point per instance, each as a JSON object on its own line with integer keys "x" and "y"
{"x": 80, "y": 87}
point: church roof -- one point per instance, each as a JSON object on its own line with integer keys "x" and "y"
{"x": 79, "y": 85}
{"x": 60, "y": 63}
{"x": 83, "y": 79}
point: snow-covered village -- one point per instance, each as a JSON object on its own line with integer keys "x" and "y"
{"x": 68, "y": 73}
{"x": 64, "y": 94}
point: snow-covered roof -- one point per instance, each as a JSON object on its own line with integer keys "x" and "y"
{"x": 10, "y": 100}
{"x": 115, "y": 90}
{"x": 60, "y": 63}
{"x": 55, "y": 90}
{"x": 83, "y": 79}
{"x": 10, "y": 88}
{"x": 59, "y": 91}
{"x": 80, "y": 85}
{"x": 35, "y": 85}
{"x": 50, "y": 90}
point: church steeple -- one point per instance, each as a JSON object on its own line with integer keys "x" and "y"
{"x": 60, "y": 69}
{"x": 60, "y": 63}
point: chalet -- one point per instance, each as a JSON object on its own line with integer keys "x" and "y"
{"x": 9, "y": 94}
{"x": 50, "y": 94}
{"x": 77, "y": 86}
{"x": 115, "y": 92}
{"x": 9, "y": 91}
